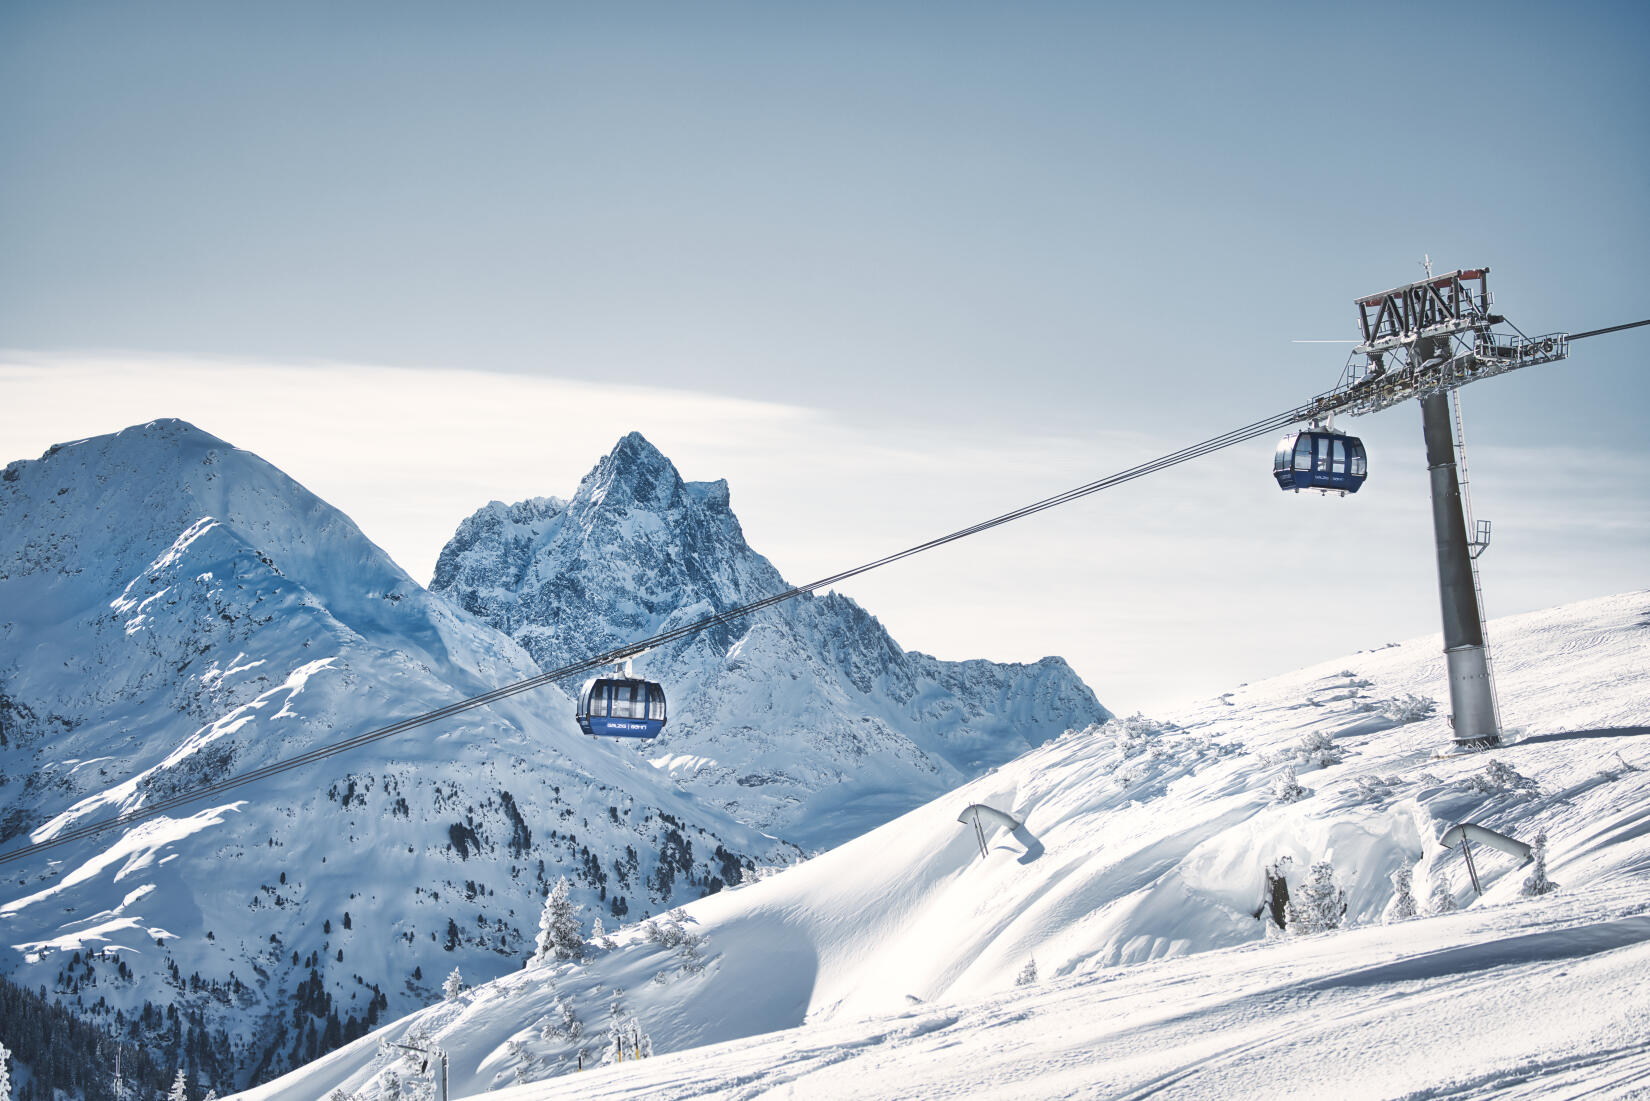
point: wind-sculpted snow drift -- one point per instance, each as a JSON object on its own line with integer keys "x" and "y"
{"x": 174, "y": 610}
{"x": 1136, "y": 885}
{"x": 807, "y": 721}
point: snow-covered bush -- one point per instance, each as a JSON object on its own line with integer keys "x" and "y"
{"x": 1402, "y": 907}
{"x": 559, "y": 934}
{"x": 1408, "y": 708}
{"x": 1498, "y": 778}
{"x": 1319, "y": 905}
{"x": 528, "y": 1068}
{"x": 598, "y": 933}
{"x": 1537, "y": 883}
{"x": 666, "y": 931}
{"x": 1028, "y": 973}
{"x": 1287, "y": 788}
{"x": 1320, "y": 750}
{"x": 1132, "y": 736}
{"x": 1369, "y": 789}
{"x": 562, "y": 1023}
{"x": 671, "y": 933}
{"x": 1442, "y": 900}
{"x": 1149, "y": 755}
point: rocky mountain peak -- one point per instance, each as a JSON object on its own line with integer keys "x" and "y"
{"x": 808, "y": 720}
{"x": 635, "y": 474}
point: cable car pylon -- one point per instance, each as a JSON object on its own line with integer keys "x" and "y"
{"x": 1425, "y": 340}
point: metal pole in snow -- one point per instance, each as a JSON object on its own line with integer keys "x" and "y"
{"x": 1471, "y": 693}
{"x": 1471, "y": 870}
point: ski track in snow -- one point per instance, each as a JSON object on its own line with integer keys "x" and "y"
{"x": 887, "y": 967}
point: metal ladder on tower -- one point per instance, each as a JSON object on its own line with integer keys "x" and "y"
{"x": 1480, "y": 530}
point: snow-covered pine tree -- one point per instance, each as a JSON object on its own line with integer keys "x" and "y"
{"x": 453, "y": 986}
{"x": 1441, "y": 901}
{"x": 1402, "y": 907}
{"x": 390, "y": 1088}
{"x": 597, "y": 929}
{"x": 1028, "y": 973}
{"x": 559, "y": 932}
{"x": 5, "y": 1074}
{"x": 1319, "y": 905}
{"x": 1537, "y": 882}
{"x": 180, "y": 1088}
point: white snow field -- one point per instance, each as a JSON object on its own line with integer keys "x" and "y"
{"x": 888, "y": 967}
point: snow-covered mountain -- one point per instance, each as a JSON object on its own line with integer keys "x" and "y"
{"x": 807, "y": 720}
{"x": 1119, "y": 943}
{"x": 174, "y": 610}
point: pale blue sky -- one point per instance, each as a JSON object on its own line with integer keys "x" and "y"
{"x": 976, "y": 224}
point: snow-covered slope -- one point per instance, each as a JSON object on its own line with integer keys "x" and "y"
{"x": 174, "y": 610}
{"x": 1135, "y": 885}
{"x": 808, "y": 721}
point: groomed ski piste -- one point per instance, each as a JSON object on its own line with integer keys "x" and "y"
{"x": 899, "y": 964}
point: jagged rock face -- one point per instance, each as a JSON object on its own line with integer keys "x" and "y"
{"x": 805, "y": 720}
{"x": 174, "y": 610}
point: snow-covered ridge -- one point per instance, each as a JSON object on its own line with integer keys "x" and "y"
{"x": 807, "y": 721}
{"x": 1135, "y": 890}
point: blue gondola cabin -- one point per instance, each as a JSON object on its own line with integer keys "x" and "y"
{"x": 622, "y": 707}
{"x": 1320, "y": 459}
